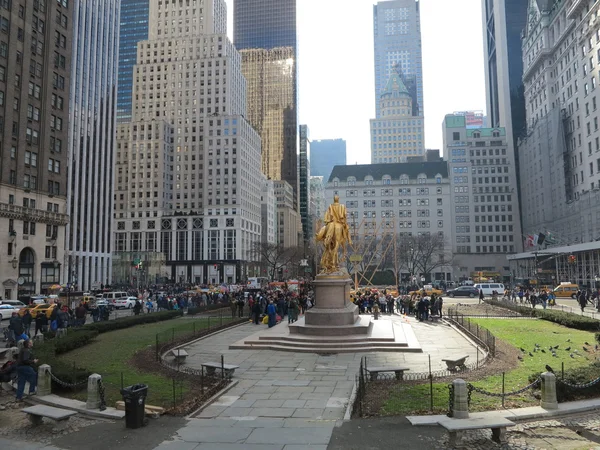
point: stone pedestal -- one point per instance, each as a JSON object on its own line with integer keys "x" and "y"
{"x": 333, "y": 314}
{"x": 44, "y": 385}
{"x": 549, "y": 400}
{"x": 461, "y": 400}
{"x": 93, "y": 392}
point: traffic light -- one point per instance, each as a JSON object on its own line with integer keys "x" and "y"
{"x": 572, "y": 259}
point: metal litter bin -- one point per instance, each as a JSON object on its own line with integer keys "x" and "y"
{"x": 135, "y": 403}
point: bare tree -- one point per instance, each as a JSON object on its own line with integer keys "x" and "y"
{"x": 422, "y": 254}
{"x": 275, "y": 257}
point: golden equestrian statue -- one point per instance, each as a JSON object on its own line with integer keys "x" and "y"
{"x": 334, "y": 234}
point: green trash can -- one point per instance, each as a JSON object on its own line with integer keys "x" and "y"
{"x": 135, "y": 403}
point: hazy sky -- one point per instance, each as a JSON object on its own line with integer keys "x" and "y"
{"x": 336, "y": 81}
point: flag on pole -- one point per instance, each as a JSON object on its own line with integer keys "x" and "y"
{"x": 529, "y": 241}
{"x": 535, "y": 239}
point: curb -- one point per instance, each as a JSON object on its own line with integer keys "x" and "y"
{"x": 350, "y": 407}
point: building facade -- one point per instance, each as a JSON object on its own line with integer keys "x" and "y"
{"x": 324, "y": 154}
{"x": 188, "y": 165}
{"x": 397, "y": 39}
{"x": 133, "y": 28}
{"x": 397, "y": 134}
{"x": 395, "y": 202}
{"x": 289, "y": 224}
{"x": 561, "y": 150}
{"x": 485, "y": 208}
{"x": 304, "y": 182}
{"x": 265, "y": 34}
{"x": 92, "y": 133}
{"x": 35, "y": 76}
{"x": 268, "y": 212}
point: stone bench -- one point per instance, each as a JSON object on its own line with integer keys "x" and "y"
{"x": 456, "y": 427}
{"x": 455, "y": 364}
{"x": 375, "y": 371}
{"x": 211, "y": 368}
{"x": 180, "y": 355}
{"x": 38, "y": 412}
{"x": 5, "y": 352}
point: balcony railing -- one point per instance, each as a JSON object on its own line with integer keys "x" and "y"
{"x": 34, "y": 215}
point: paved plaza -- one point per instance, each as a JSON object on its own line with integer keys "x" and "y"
{"x": 293, "y": 401}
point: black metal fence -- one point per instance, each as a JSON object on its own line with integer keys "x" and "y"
{"x": 415, "y": 391}
{"x": 194, "y": 328}
{"x": 486, "y": 313}
{"x": 482, "y": 336}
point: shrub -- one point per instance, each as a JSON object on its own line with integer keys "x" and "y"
{"x": 566, "y": 319}
{"x": 74, "y": 339}
{"x": 126, "y": 322}
{"x": 46, "y": 354}
{"x": 598, "y": 338}
{"x": 200, "y": 309}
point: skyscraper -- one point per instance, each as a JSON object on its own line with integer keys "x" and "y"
{"x": 133, "y": 28}
{"x": 304, "y": 173}
{"x": 35, "y": 72}
{"x": 265, "y": 34}
{"x": 504, "y": 21}
{"x": 92, "y": 120}
{"x": 397, "y": 133}
{"x": 325, "y": 154}
{"x": 188, "y": 187}
{"x": 397, "y": 38}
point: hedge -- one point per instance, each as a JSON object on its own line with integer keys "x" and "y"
{"x": 598, "y": 337}
{"x": 74, "y": 339}
{"x": 200, "y": 309}
{"x": 126, "y": 322}
{"x": 578, "y": 376}
{"x": 566, "y": 319}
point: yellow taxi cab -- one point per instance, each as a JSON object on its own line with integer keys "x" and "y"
{"x": 428, "y": 289}
{"x": 41, "y": 308}
{"x": 566, "y": 290}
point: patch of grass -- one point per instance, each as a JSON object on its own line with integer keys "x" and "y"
{"x": 110, "y": 355}
{"x": 519, "y": 334}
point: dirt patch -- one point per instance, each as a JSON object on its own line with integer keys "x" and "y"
{"x": 482, "y": 310}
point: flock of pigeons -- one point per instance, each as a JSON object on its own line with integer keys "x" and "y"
{"x": 553, "y": 349}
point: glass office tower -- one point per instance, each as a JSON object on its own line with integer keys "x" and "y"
{"x": 133, "y": 28}
{"x": 265, "y": 35}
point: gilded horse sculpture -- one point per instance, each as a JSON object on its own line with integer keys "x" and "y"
{"x": 334, "y": 234}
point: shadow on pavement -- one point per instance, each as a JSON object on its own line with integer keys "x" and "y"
{"x": 387, "y": 432}
{"x": 114, "y": 435}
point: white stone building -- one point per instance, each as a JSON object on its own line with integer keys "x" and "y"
{"x": 485, "y": 205}
{"x": 394, "y": 200}
{"x": 201, "y": 199}
{"x": 560, "y": 155}
{"x": 397, "y": 133}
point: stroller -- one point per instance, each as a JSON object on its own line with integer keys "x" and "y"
{"x": 8, "y": 372}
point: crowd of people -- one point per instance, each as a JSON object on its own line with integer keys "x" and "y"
{"x": 419, "y": 303}
{"x": 546, "y": 297}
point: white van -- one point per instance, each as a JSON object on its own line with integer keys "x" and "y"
{"x": 112, "y": 297}
{"x": 488, "y": 288}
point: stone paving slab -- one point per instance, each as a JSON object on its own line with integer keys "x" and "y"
{"x": 214, "y": 435}
{"x": 288, "y": 436}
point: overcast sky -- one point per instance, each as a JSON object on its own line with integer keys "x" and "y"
{"x": 336, "y": 84}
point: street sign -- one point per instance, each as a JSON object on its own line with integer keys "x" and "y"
{"x": 356, "y": 258}
{"x": 308, "y": 269}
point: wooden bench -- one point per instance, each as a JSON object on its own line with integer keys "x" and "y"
{"x": 375, "y": 371}
{"x": 211, "y": 368}
{"x": 179, "y": 354}
{"x": 38, "y": 412}
{"x": 455, "y": 364}
{"x": 455, "y": 428}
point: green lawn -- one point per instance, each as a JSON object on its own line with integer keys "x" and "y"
{"x": 110, "y": 354}
{"x": 520, "y": 334}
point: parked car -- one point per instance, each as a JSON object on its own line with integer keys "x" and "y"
{"x": 6, "y": 311}
{"x": 18, "y": 304}
{"x": 126, "y": 303}
{"x": 463, "y": 291}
